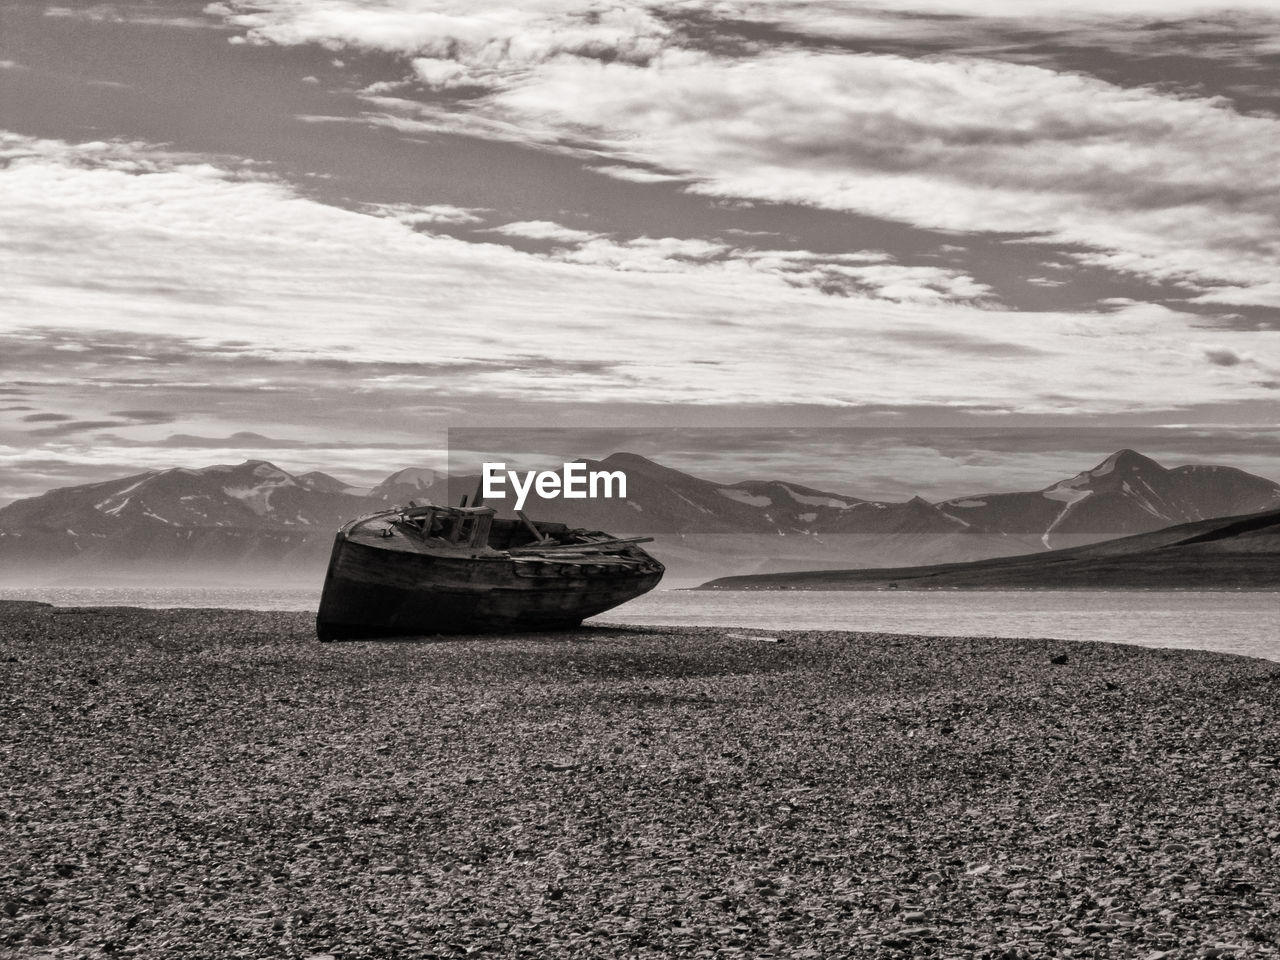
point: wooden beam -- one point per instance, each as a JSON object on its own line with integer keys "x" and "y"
{"x": 593, "y": 546}
{"x": 524, "y": 518}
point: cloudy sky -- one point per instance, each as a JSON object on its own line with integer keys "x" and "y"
{"x": 324, "y": 231}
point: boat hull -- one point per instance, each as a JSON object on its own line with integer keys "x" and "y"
{"x": 371, "y": 592}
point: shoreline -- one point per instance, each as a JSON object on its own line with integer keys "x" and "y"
{"x": 218, "y": 783}
{"x": 1236, "y": 623}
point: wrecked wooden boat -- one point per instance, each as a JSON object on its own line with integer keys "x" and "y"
{"x": 430, "y": 569}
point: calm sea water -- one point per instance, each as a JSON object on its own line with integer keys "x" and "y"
{"x": 1245, "y": 623}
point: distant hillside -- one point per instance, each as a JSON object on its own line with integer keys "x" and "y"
{"x": 236, "y": 523}
{"x": 1234, "y": 553}
{"x": 254, "y": 522}
{"x": 1125, "y": 493}
{"x": 404, "y": 485}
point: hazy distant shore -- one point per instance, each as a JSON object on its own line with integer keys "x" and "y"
{"x": 215, "y": 782}
{"x": 1219, "y": 554}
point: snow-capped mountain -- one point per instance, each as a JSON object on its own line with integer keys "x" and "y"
{"x": 1124, "y": 494}
{"x": 253, "y": 494}
{"x": 240, "y": 522}
{"x": 772, "y": 525}
{"x": 664, "y": 500}
{"x": 255, "y": 519}
{"x": 412, "y": 483}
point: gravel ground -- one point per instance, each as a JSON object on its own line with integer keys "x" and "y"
{"x": 211, "y": 783}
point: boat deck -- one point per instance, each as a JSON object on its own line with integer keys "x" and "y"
{"x": 383, "y": 532}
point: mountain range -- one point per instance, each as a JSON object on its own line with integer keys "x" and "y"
{"x": 245, "y": 522}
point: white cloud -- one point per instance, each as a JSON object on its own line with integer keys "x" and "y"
{"x": 1163, "y": 10}
{"x": 635, "y": 174}
{"x": 544, "y": 230}
{"x": 943, "y": 18}
{"x": 439, "y": 74}
{"x": 869, "y": 273}
{"x": 490, "y": 40}
{"x": 865, "y": 273}
{"x": 484, "y": 42}
{"x": 1152, "y": 26}
{"x": 1155, "y": 181}
{"x": 462, "y": 44}
{"x": 1169, "y": 187}
{"x": 139, "y": 14}
{"x": 420, "y": 215}
{"x": 114, "y": 239}
{"x": 647, "y": 254}
{"x": 1255, "y": 295}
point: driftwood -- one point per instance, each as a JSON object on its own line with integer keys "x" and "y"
{"x": 747, "y": 636}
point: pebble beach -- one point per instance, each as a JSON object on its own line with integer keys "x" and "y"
{"x": 217, "y": 784}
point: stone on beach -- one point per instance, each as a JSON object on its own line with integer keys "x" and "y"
{"x": 216, "y": 783}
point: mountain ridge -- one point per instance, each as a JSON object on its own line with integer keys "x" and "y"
{"x": 257, "y": 519}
